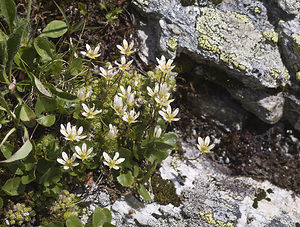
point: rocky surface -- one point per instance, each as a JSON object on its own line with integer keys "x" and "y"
{"x": 253, "y": 42}
{"x": 209, "y": 197}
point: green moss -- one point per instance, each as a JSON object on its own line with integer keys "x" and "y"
{"x": 296, "y": 43}
{"x": 172, "y": 44}
{"x": 208, "y": 217}
{"x": 271, "y": 36}
{"x": 260, "y": 195}
{"x": 164, "y": 191}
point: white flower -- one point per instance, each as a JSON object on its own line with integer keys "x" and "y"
{"x": 124, "y": 93}
{"x": 66, "y": 161}
{"x": 130, "y": 99}
{"x": 203, "y": 145}
{"x": 131, "y": 116}
{"x": 91, "y": 53}
{"x": 164, "y": 89}
{"x": 163, "y": 100}
{"x": 109, "y": 73}
{"x": 163, "y": 66}
{"x": 123, "y": 65}
{"x": 82, "y": 153}
{"x": 157, "y": 131}
{"x": 126, "y": 49}
{"x": 82, "y": 94}
{"x": 90, "y": 112}
{"x": 151, "y": 92}
{"x": 112, "y": 163}
{"x": 168, "y": 115}
{"x": 118, "y": 105}
{"x": 71, "y": 133}
{"x": 112, "y": 133}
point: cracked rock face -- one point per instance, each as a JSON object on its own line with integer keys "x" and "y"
{"x": 254, "y": 42}
{"x": 210, "y": 197}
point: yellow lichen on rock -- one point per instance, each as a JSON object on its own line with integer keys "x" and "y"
{"x": 242, "y": 17}
{"x": 296, "y": 43}
{"x": 275, "y": 73}
{"x": 172, "y": 43}
{"x": 208, "y": 217}
{"x": 271, "y": 36}
{"x": 204, "y": 43}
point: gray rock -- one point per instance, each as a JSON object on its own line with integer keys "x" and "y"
{"x": 243, "y": 38}
{"x": 211, "y": 198}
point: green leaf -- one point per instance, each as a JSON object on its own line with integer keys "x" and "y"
{"x": 76, "y": 66}
{"x": 170, "y": 138}
{"x": 26, "y": 114}
{"x": 3, "y": 52}
{"x": 9, "y": 11}
{"x": 108, "y": 225}
{"x": 44, "y": 48}
{"x": 101, "y": 216}
{"x": 23, "y": 152}
{"x": 44, "y": 104}
{"x": 55, "y": 29}
{"x": 73, "y": 221}
{"x": 157, "y": 155}
{"x": 13, "y": 187}
{"x": 1, "y": 203}
{"x": 125, "y": 179}
{"x": 46, "y": 121}
{"x": 143, "y": 192}
{"x": 64, "y": 15}
{"x": 29, "y": 177}
{"x": 40, "y": 87}
{"x": 7, "y": 149}
{"x": 61, "y": 94}
{"x": 14, "y": 41}
{"x": 51, "y": 176}
{"x": 136, "y": 171}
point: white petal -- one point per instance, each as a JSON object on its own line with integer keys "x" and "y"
{"x": 66, "y": 167}
{"x": 176, "y": 112}
{"x": 78, "y": 150}
{"x": 120, "y": 160}
{"x": 59, "y": 160}
{"x": 116, "y": 156}
{"x": 85, "y": 107}
{"x": 84, "y": 147}
{"x": 200, "y": 141}
{"x": 120, "y": 47}
{"x": 105, "y": 163}
{"x": 207, "y": 141}
{"x": 65, "y": 156}
{"x": 106, "y": 157}
{"x": 116, "y": 167}
{"x": 69, "y": 127}
{"x": 80, "y": 130}
{"x": 125, "y": 43}
{"x": 97, "y": 49}
{"x": 87, "y": 46}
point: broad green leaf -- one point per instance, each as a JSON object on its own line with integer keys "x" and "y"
{"x": 51, "y": 176}
{"x": 136, "y": 171}
{"x": 55, "y": 29}
{"x": 9, "y": 11}
{"x": 23, "y": 152}
{"x": 3, "y": 52}
{"x": 101, "y": 216}
{"x": 28, "y": 55}
{"x": 26, "y": 114}
{"x": 14, "y": 41}
{"x": 13, "y": 187}
{"x": 40, "y": 87}
{"x": 162, "y": 146}
{"x": 43, "y": 48}
{"x": 54, "y": 224}
{"x": 44, "y": 104}
{"x": 29, "y": 177}
{"x": 125, "y": 179}
{"x": 46, "y": 121}
{"x": 73, "y": 221}
{"x": 157, "y": 155}
{"x": 7, "y": 150}
{"x": 61, "y": 94}
{"x": 143, "y": 192}
{"x": 170, "y": 138}
{"x": 1, "y": 203}
{"x": 127, "y": 154}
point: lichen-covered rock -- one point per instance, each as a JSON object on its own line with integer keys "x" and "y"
{"x": 234, "y": 36}
{"x": 210, "y": 197}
